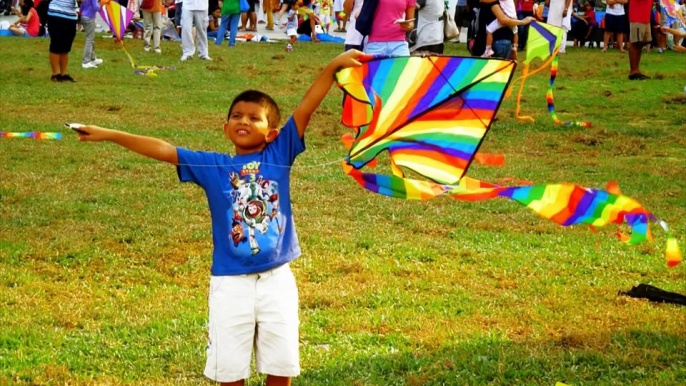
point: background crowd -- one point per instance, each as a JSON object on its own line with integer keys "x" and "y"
{"x": 493, "y": 28}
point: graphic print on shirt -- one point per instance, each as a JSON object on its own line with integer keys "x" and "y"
{"x": 255, "y": 203}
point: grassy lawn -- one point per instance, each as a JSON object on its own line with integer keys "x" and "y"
{"x": 105, "y": 256}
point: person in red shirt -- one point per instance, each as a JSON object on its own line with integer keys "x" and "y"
{"x": 639, "y": 35}
{"x": 525, "y": 8}
{"x": 28, "y": 23}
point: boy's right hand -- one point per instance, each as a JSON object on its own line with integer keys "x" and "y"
{"x": 93, "y": 134}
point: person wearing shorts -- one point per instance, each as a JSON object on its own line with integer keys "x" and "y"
{"x": 639, "y": 35}
{"x": 62, "y": 19}
{"x": 614, "y": 23}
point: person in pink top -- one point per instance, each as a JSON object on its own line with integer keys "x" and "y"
{"x": 392, "y": 19}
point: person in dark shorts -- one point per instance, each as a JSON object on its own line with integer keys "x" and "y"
{"x": 62, "y": 19}
{"x": 614, "y": 23}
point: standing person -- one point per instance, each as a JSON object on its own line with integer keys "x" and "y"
{"x": 253, "y": 300}
{"x": 614, "y": 23}
{"x": 62, "y": 19}
{"x": 89, "y": 8}
{"x": 249, "y": 18}
{"x": 194, "y": 15}
{"x": 178, "y": 13}
{"x": 525, "y": 9}
{"x": 152, "y": 25}
{"x": 353, "y": 38}
{"x": 340, "y": 19}
{"x": 462, "y": 17}
{"x": 388, "y": 35}
{"x": 292, "y": 24}
{"x": 268, "y": 7}
{"x": 639, "y": 35}
{"x": 503, "y": 38}
{"x": 231, "y": 15}
{"x": 429, "y": 27}
{"x": 560, "y": 15}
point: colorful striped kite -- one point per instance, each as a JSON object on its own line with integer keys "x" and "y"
{"x": 431, "y": 114}
{"x": 544, "y": 42}
{"x": 33, "y": 135}
{"x": 672, "y": 13}
{"x": 118, "y": 18}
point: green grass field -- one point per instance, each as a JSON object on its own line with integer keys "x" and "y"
{"x": 105, "y": 256}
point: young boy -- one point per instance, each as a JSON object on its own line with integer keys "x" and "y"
{"x": 253, "y": 298}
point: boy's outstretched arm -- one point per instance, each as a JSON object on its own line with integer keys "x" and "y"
{"x": 147, "y": 146}
{"x": 315, "y": 95}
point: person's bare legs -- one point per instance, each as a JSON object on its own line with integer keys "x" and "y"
{"x": 64, "y": 60}
{"x": 635, "y": 50}
{"x": 620, "y": 42}
{"x": 54, "y": 63}
{"x": 606, "y": 40}
{"x": 244, "y": 21}
{"x": 272, "y": 380}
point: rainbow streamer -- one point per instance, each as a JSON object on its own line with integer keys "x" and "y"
{"x": 551, "y": 102}
{"x": 431, "y": 114}
{"x": 33, "y": 135}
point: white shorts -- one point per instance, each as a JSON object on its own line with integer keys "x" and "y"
{"x": 338, "y": 6}
{"x": 257, "y": 310}
{"x": 495, "y": 25}
{"x": 292, "y": 32}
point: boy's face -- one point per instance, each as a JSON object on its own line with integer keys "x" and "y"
{"x": 248, "y": 128}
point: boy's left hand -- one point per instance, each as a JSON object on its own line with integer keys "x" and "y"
{"x": 347, "y": 59}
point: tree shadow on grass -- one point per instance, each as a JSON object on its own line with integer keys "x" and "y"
{"x": 631, "y": 357}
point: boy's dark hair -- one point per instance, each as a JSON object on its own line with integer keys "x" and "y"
{"x": 262, "y": 99}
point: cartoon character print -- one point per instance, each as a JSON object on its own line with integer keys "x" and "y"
{"x": 255, "y": 204}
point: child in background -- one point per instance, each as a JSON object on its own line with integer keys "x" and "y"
{"x": 292, "y": 24}
{"x": 213, "y": 24}
{"x": 338, "y": 10}
{"x": 325, "y": 15}
{"x": 510, "y": 11}
{"x": 253, "y": 298}
{"x": 28, "y": 23}
{"x": 89, "y": 8}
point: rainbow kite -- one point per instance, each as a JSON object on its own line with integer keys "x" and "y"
{"x": 118, "y": 18}
{"x": 544, "y": 42}
{"x": 431, "y": 114}
{"x": 33, "y": 135}
{"x": 672, "y": 13}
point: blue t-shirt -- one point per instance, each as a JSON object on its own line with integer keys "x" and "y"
{"x": 250, "y": 204}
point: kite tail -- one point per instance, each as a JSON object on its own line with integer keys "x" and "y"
{"x": 564, "y": 204}
{"x": 31, "y": 134}
{"x": 144, "y": 70}
{"x": 551, "y": 102}
{"x": 519, "y": 96}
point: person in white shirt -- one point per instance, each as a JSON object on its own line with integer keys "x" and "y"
{"x": 353, "y": 39}
{"x": 194, "y": 15}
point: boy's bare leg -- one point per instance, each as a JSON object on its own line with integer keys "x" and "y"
{"x": 237, "y": 383}
{"x": 273, "y": 380}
